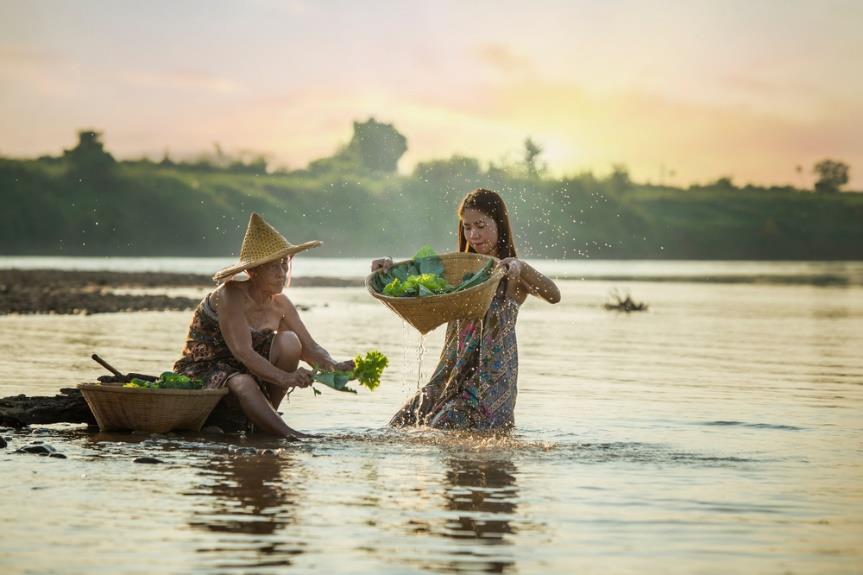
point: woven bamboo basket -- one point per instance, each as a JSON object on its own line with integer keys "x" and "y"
{"x": 428, "y": 312}
{"x": 156, "y": 410}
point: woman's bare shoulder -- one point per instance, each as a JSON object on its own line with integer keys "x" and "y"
{"x": 227, "y": 294}
{"x": 283, "y": 302}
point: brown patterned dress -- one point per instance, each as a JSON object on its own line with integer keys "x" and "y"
{"x": 206, "y": 355}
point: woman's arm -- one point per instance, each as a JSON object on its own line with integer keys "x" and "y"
{"x": 523, "y": 275}
{"x": 313, "y": 353}
{"x": 539, "y": 285}
{"x": 237, "y": 333}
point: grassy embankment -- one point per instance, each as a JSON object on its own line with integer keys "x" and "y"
{"x": 145, "y": 209}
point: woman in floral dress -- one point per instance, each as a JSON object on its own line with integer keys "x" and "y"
{"x": 475, "y": 383}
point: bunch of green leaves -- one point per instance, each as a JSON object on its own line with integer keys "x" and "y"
{"x": 423, "y": 276}
{"x": 368, "y": 369}
{"x": 420, "y": 276}
{"x": 417, "y": 285}
{"x": 168, "y": 380}
{"x": 367, "y": 372}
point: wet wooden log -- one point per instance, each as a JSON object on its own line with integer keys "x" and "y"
{"x": 22, "y": 410}
{"x": 69, "y": 407}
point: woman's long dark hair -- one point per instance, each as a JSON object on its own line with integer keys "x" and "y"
{"x": 492, "y": 205}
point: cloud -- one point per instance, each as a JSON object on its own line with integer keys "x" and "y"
{"x": 29, "y": 74}
{"x": 502, "y": 58}
{"x": 182, "y": 80}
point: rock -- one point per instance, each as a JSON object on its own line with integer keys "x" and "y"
{"x": 2, "y": 443}
{"x": 147, "y": 460}
{"x": 213, "y": 430}
{"x": 38, "y": 449}
{"x": 268, "y": 452}
{"x": 58, "y": 455}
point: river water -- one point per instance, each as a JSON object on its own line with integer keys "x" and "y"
{"x": 720, "y": 431}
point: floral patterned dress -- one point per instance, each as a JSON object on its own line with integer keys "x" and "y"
{"x": 474, "y": 384}
{"x": 206, "y": 355}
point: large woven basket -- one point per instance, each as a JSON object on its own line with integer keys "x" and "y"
{"x": 428, "y": 312}
{"x": 156, "y": 410}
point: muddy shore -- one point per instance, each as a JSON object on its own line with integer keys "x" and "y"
{"x": 88, "y": 292}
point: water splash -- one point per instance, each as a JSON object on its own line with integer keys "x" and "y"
{"x": 404, "y": 355}
{"x": 421, "y": 350}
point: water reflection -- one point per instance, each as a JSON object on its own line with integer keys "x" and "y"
{"x": 481, "y": 504}
{"x": 249, "y": 502}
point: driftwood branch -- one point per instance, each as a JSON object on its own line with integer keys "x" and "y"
{"x": 626, "y": 304}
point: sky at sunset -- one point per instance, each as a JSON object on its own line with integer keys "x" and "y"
{"x": 747, "y": 89}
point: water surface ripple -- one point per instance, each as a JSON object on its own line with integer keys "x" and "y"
{"x": 719, "y": 432}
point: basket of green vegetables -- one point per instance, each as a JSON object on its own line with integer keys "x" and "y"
{"x": 172, "y": 401}
{"x": 430, "y": 289}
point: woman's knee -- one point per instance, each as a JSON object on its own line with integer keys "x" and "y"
{"x": 286, "y": 346}
{"x": 243, "y": 385}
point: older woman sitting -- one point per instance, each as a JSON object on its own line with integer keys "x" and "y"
{"x": 248, "y": 335}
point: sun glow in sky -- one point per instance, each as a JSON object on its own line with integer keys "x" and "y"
{"x": 688, "y": 91}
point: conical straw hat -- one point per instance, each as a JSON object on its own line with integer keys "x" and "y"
{"x": 262, "y": 244}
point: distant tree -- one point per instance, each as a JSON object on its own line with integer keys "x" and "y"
{"x": 454, "y": 168}
{"x": 376, "y": 146}
{"x": 337, "y": 164}
{"x": 221, "y": 160}
{"x": 166, "y": 161}
{"x": 248, "y": 162}
{"x": 252, "y": 165}
{"x": 89, "y": 160}
{"x": 498, "y": 172}
{"x": 46, "y": 159}
{"x": 619, "y": 178}
{"x": 832, "y": 175}
{"x": 724, "y": 183}
{"x": 532, "y": 151}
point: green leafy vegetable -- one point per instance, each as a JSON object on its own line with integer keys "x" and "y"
{"x": 472, "y": 280}
{"x": 403, "y": 270}
{"x": 432, "y": 282}
{"x": 368, "y": 369}
{"x": 423, "y": 277}
{"x": 425, "y": 252}
{"x": 394, "y": 288}
{"x": 168, "y": 380}
{"x": 428, "y": 262}
{"x": 417, "y": 284}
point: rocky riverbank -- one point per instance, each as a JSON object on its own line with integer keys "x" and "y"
{"x": 88, "y": 292}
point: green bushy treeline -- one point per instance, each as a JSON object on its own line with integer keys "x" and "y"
{"x": 89, "y": 204}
